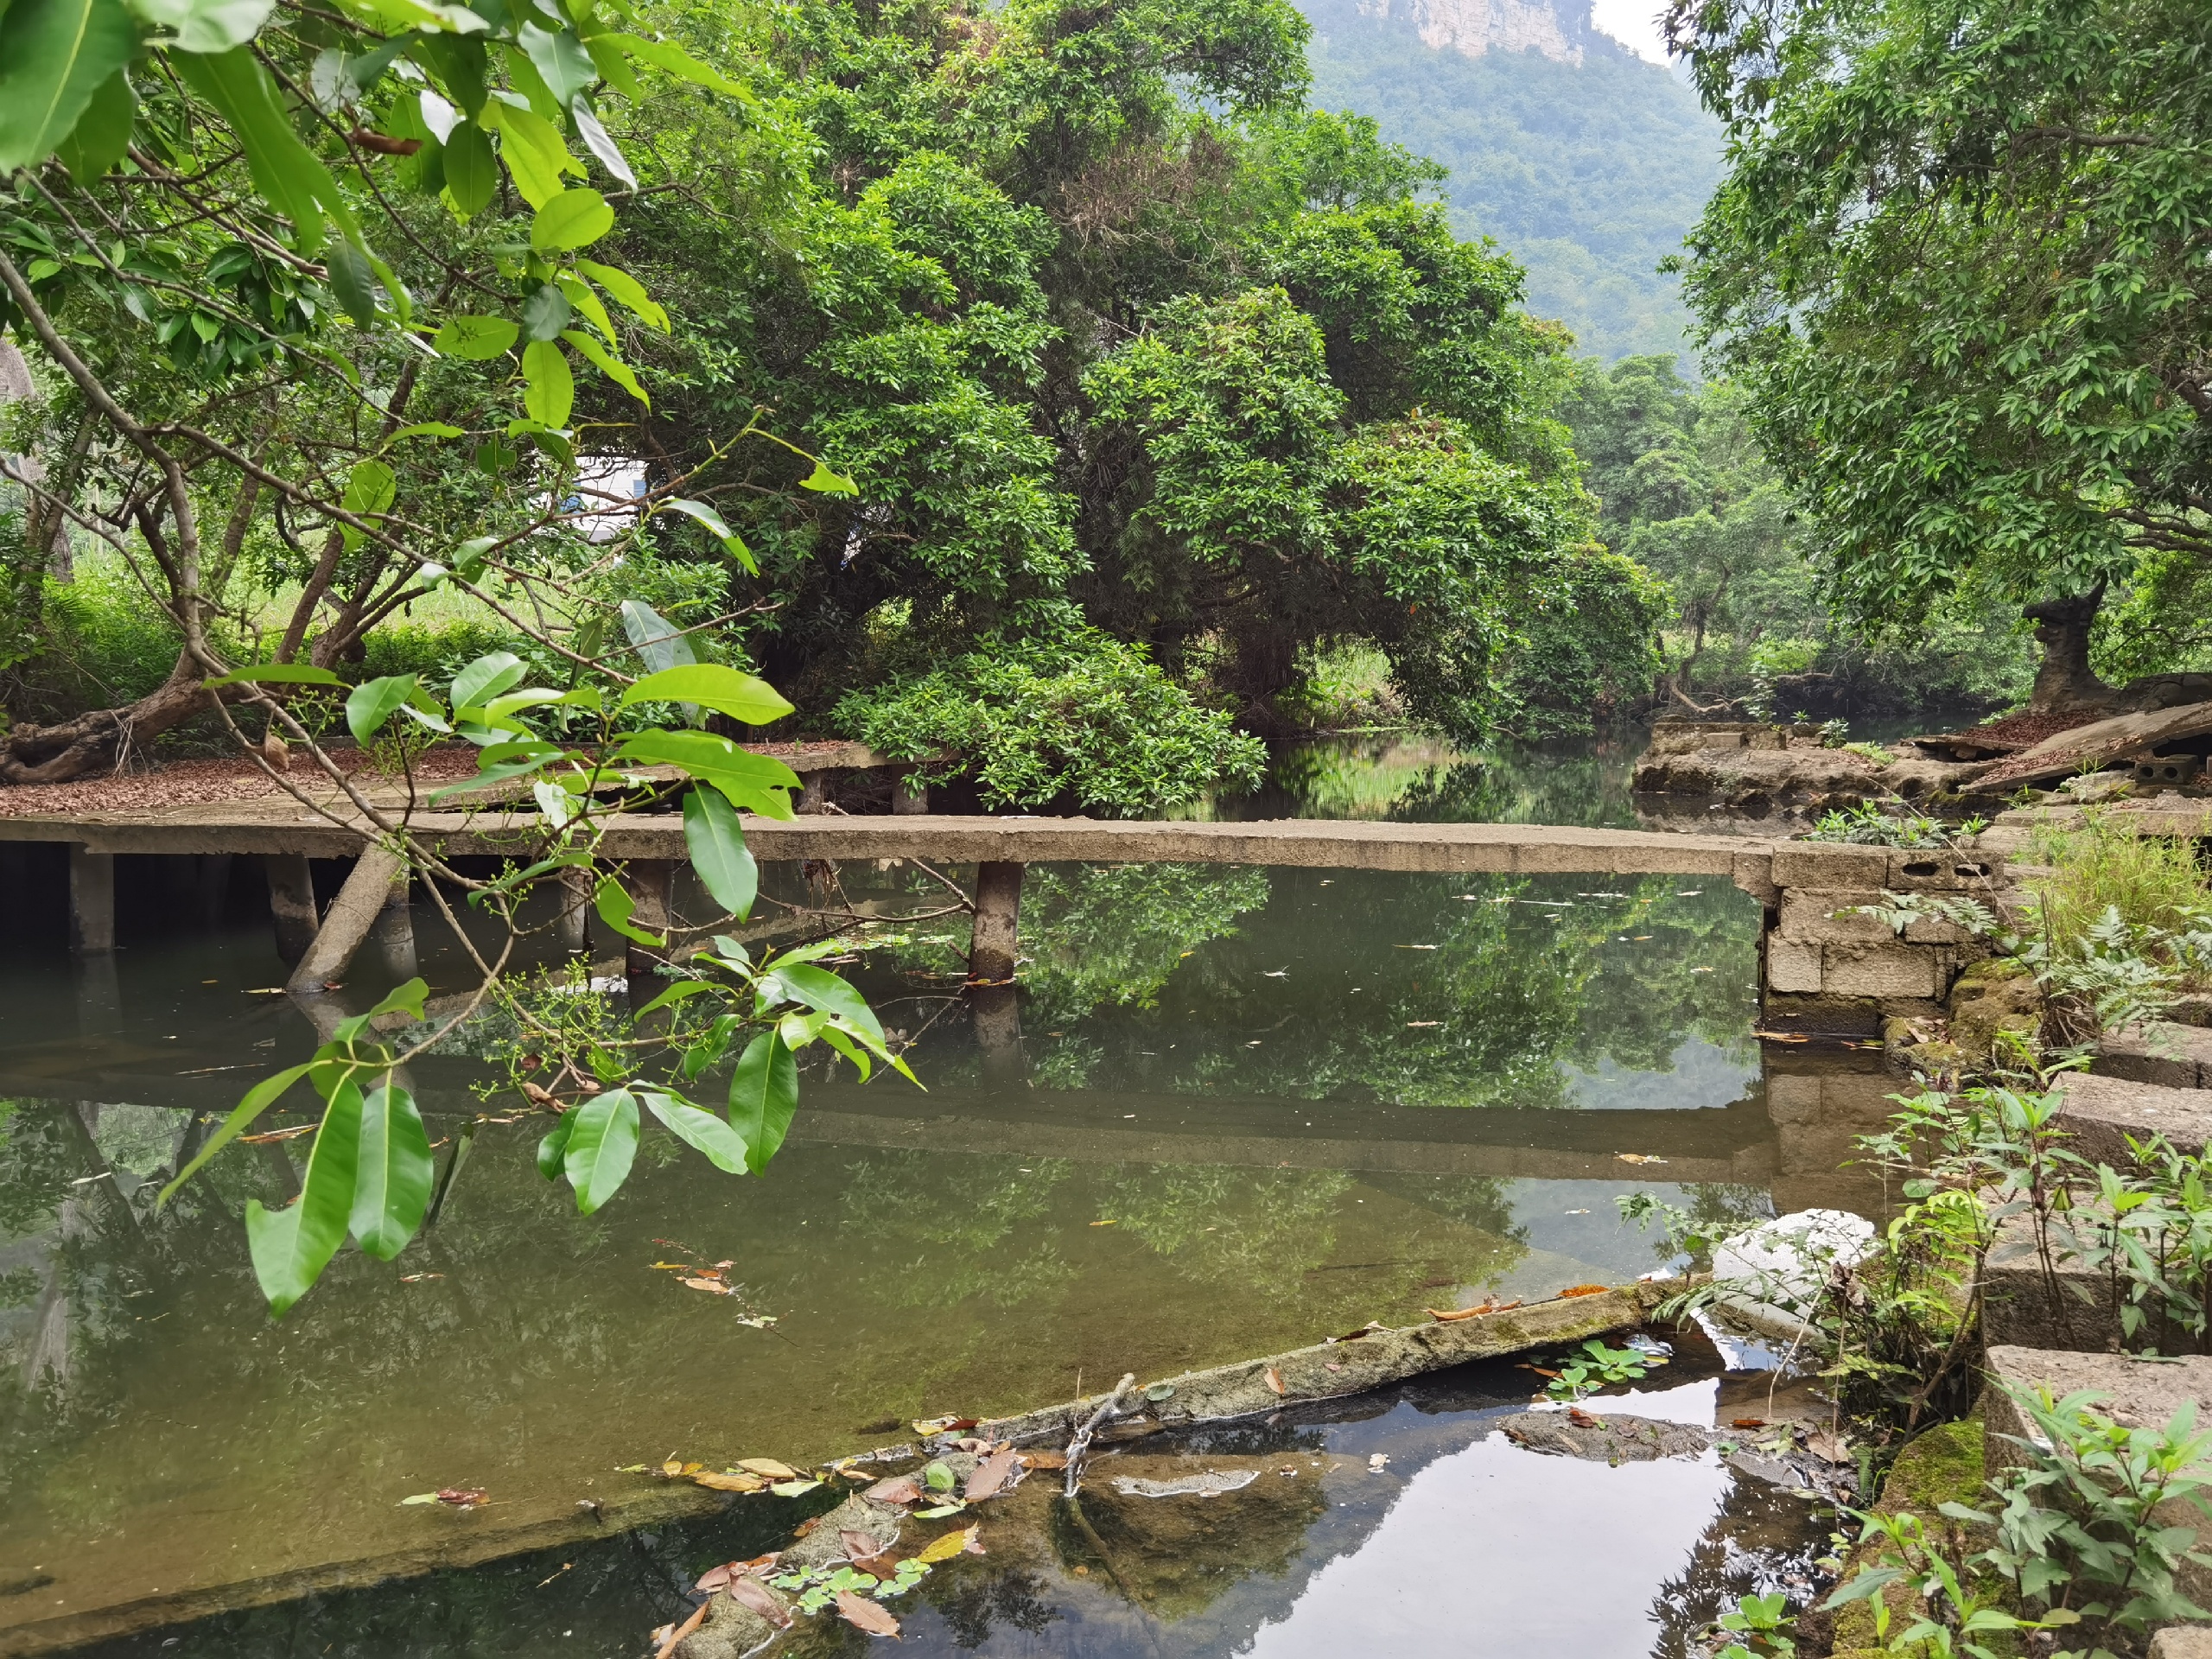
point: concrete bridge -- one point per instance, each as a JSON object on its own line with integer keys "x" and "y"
{"x": 1821, "y": 969}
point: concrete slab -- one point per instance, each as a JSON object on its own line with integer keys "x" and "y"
{"x": 2172, "y": 1055}
{"x": 2183, "y": 1642}
{"x": 2102, "y": 1112}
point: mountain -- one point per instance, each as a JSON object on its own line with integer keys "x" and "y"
{"x": 1586, "y": 162}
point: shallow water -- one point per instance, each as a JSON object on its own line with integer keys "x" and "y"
{"x": 1244, "y": 1109}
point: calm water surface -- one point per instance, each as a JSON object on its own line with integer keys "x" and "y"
{"x": 1243, "y": 1108}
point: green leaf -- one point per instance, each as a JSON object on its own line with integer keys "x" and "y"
{"x": 666, "y": 54}
{"x": 276, "y": 674}
{"x": 393, "y": 1188}
{"x": 628, "y": 292}
{"x": 372, "y": 704}
{"x": 711, "y": 685}
{"x": 601, "y": 143}
{"x": 486, "y": 677}
{"x": 488, "y": 777}
{"x": 290, "y": 176}
{"x": 601, "y": 1143}
{"x": 575, "y": 219}
{"x": 828, "y": 482}
{"x": 552, "y": 1151}
{"x": 545, "y": 312}
{"x": 477, "y": 339}
{"x": 719, "y": 857}
{"x": 656, "y": 640}
{"x": 560, "y": 60}
{"x": 609, "y": 365}
{"x": 471, "y": 174}
{"x": 724, "y": 1147}
{"x": 706, "y": 515}
{"x": 615, "y": 906}
{"x": 825, "y": 991}
{"x": 354, "y": 280}
{"x": 257, "y": 1100}
{"x": 549, "y": 390}
{"x": 763, "y": 1098}
{"x": 703, "y": 755}
{"x": 290, "y": 1247}
{"x": 102, "y": 134}
{"x": 427, "y": 430}
{"x": 208, "y": 25}
{"x": 532, "y": 148}
{"x": 55, "y": 55}
{"x": 370, "y": 489}
{"x": 681, "y": 991}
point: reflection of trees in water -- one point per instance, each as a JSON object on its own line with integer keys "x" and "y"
{"x": 1758, "y": 1544}
{"x": 1483, "y": 1201}
{"x": 1094, "y": 935}
{"x": 946, "y": 1224}
{"x": 1257, "y": 1230}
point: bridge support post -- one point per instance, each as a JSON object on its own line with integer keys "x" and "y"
{"x": 353, "y": 912}
{"x": 651, "y": 883}
{"x": 394, "y": 930}
{"x": 906, "y": 800}
{"x": 92, "y": 901}
{"x": 577, "y": 887}
{"x": 998, "y": 910}
{"x": 291, "y": 903}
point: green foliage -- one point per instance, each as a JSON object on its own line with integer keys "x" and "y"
{"x": 1092, "y": 722}
{"x": 1593, "y": 1366}
{"x": 1685, "y": 489}
{"x": 1955, "y": 266}
{"x": 1590, "y": 172}
{"x": 1873, "y": 824}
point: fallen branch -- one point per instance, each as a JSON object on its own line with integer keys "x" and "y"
{"x": 1081, "y": 1443}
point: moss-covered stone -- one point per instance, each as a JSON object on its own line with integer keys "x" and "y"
{"x": 1989, "y": 996}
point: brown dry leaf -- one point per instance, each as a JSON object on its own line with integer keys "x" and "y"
{"x": 1829, "y": 1446}
{"x": 972, "y": 1545}
{"x": 1584, "y": 1290}
{"x": 1582, "y": 1419}
{"x": 899, "y": 1489}
{"x": 1275, "y": 1381}
{"x": 1045, "y": 1459}
{"x": 713, "y": 1285}
{"x": 863, "y": 1614}
{"x": 749, "y": 1592}
{"x": 672, "y": 1468}
{"x": 1638, "y": 1157}
{"x": 1369, "y": 1329}
{"x": 769, "y": 1467}
{"x": 463, "y": 1497}
{"x": 860, "y": 1547}
{"x": 992, "y": 1474}
{"x": 1448, "y": 1315}
{"x": 1747, "y": 1422}
{"x": 718, "y": 1578}
{"x": 676, "y": 1635}
{"x": 714, "y": 1482}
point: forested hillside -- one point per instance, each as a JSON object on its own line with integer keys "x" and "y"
{"x": 1588, "y": 174}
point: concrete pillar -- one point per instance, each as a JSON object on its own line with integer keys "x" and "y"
{"x": 213, "y": 881}
{"x": 291, "y": 903}
{"x": 814, "y": 792}
{"x": 998, "y": 911}
{"x": 394, "y": 931}
{"x": 650, "y": 883}
{"x": 904, "y": 800}
{"x": 355, "y": 911}
{"x": 575, "y": 889}
{"x": 92, "y": 901}
{"x": 998, "y": 1033}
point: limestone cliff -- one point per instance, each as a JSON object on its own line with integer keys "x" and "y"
{"x": 1558, "y": 28}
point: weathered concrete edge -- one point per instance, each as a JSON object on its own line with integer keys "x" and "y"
{"x": 1370, "y": 1361}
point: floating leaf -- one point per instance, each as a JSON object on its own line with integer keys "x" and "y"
{"x": 945, "y": 1548}
{"x": 748, "y": 1591}
{"x": 1273, "y": 1380}
{"x": 899, "y": 1489}
{"x": 769, "y": 1467}
{"x": 793, "y": 1487}
{"x": 865, "y": 1615}
{"x": 1584, "y": 1290}
{"x": 939, "y": 1477}
{"x": 715, "y": 1482}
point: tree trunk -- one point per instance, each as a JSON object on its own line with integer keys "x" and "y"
{"x": 2065, "y": 681}
{"x": 100, "y": 739}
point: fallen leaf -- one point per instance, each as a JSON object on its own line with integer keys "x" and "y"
{"x": 769, "y": 1467}
{"x": 970, "y": 1544}
{"x": 714, "y": 1482}
{"x": 463, "y": 1497}
{"x": 1331, "y": 1365}
{"x": 992, "y": 1474}
{"x": 860, "y": 1547}
{"x": 1829, "y": 1446}
{"x": 1539, "y": 1371}
{"x": 806, "y": 1526}
{"x": 1108, "y": 1222}
{"x": 1371, "y": 1326}
{"x": 1584, "y": 1290}
{"x": 899, "y": 1489}
{"x": 714, "y": 1285}
{"x": 1582, "y": 1419}
{"x": 1781, "y": 1036}
{"x": 793, "y": 1487}
{"x": 1045, "y": 1459}
{"x": 863, "y": 1614}
{"x": 945, "y": 1548}
{"x": 417, "y": 1278}
{"x": 675, "y": 1637}
{"x": 1377, "y": 1461}
{"x": 1449, "y": 1316}
{"x": 672, "y": 1468}
{"x": 1273, "y": 1380}
{"x": 749, "y": 1592}
{"x": 1747, "y": 1422}
{"x": 1638, "y": 1157}
{"x": 718, "y": 1578}
{"x": 929, "y": 1425}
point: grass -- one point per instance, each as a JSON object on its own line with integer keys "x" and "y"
{"x": 2153, "y": 880}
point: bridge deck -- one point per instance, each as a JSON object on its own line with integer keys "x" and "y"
{"x": 279, "y": 824}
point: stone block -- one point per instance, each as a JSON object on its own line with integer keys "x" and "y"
{"x": 2160, "y": 1052}
{"x": 2101, "y": 1113}
{"x": 1813, "y": 1011}
{"x": 1830, "y": 865}
{"x": 1809, "y": 913}
{"x": 1928, "y": 930}
{"x": 1792, "y": 965}
{"x": 1938, "y": 870}
{"x": 2139, "y": 1396}
{"x": 2061, "y": 1304}
{"x": 2183, "y": 1642}
{"x": 1892, "y": 969}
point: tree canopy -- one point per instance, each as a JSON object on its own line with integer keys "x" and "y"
{"x": 1957, "y": 262}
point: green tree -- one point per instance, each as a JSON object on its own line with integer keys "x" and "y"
{"x": 1957, "y": 265}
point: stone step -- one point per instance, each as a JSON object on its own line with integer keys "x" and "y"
{"x": 2160, "y": 1052}
{"x": 2101, "y": 1112}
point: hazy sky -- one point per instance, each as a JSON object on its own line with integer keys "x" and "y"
{"x": 1634, "y": 23}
